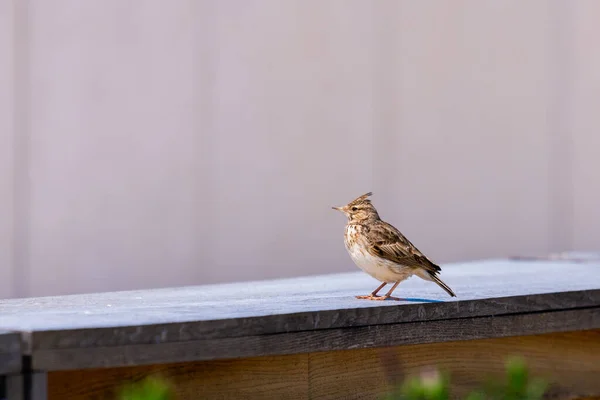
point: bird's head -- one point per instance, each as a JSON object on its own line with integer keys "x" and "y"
{"x": 359, "y": 209}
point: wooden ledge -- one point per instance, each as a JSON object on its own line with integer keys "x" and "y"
{"x": 496, "y": 298}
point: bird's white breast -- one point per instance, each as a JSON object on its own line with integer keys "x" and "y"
{"x": 379, "y": 268}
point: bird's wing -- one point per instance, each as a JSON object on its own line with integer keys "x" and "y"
{"x": 387, "y": 242}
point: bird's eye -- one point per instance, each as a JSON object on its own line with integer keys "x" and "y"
{"x": 354, "y": 208}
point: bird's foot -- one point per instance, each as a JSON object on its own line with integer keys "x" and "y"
{"x": 369, "y": 297}
{"x": 381, "y": 298}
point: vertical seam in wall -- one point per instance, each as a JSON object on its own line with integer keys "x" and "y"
{"x": 205, "y": 190}
{"x": 10, "y": 206}
{"x": 375, "y": 88}
{"x": 384, "y": 98}
{"x": 21, "y": 156}
{"x": 560, "y": 227}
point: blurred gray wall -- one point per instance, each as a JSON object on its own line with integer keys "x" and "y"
{"x": 159, "y": 143}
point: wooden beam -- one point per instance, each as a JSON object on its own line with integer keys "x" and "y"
{"x": 570, "y": 360}
{"x": 319, "y": 340}
{"x": 307, "y": 314}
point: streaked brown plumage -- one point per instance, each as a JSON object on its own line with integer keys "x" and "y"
{"x": 382, "y": 251}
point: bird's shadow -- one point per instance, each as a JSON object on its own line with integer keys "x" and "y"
{"x": 416, "y": 300}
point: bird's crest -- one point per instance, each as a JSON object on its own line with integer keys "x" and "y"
{"x": 361, "y": 199}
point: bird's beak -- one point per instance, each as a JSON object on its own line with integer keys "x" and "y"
{"x": 338, "y": 208}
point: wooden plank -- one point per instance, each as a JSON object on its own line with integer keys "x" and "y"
{"x": 569, "y": 359}
{"x": 319, "y": 340}
{"x": 283, "y": 377}
{"x": 316, "y": 320}
{"x": 484, "y": 288}
{"x": 328, "y": 319}
{"x": 10, "y": 352}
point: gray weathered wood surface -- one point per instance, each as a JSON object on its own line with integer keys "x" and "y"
{"x": 320, "y": 340}
{"x": 495, "y": 298}
{"x": 10, "y": 352}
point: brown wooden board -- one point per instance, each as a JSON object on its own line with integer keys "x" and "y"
{"x": 568, "y": 360}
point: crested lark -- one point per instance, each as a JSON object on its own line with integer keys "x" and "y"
{"x": 382, "y": 251}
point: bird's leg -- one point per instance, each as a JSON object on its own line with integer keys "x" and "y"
{"x": 378, "y": 289}
{"x": 388, "y": 295}
{"x": 373, "y": 295}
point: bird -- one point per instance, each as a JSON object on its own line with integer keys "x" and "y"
{"x": 382, "y": 251}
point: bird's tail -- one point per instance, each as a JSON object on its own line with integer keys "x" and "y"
{"x": 441, "y": 283}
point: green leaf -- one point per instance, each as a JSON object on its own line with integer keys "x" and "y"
{"x": 477, "y": 395}
{"x": 148, "y": 389}
{"x": 536, "y": 389}
{"x": 517, "y": 375}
